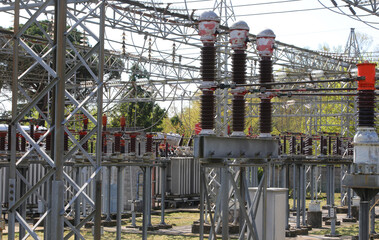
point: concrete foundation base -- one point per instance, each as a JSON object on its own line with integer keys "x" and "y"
{"x": 314, "y": 219}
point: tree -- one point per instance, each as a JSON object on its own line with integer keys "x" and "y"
{"x": 147, "y": 115}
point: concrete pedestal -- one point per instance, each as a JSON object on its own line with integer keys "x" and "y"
{"x": 314, "y": 219}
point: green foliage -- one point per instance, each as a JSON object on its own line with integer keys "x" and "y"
{"x": 147, "y": 115}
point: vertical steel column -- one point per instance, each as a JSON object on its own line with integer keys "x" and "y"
{"x": 264, "y": 203}
{"x": 294, "y": 186}
{"x": 304, "y": 193}
{"x": 145, "y": 205}
{"x": 287, "y": 178}
{"x": 201, "y": 229}
{"x": 119, "y": 201}
{"x": 97, "y": 219}
{"x": 364, "y": 209}
{"x": 57, "y": 184}
{"x": 163, "y": 191}
{"x": 313, "y": 182}
{"x": 243, "y": 198}
{"x": 77, "y": 202}
{"x": 349, "y": 196}
{"x": 108, "y": 196}
{"x": 146, "y": 201}
{"x": 225, "y": 202}
{"x": 298, "y": 206}
{"x": 22, "y": 208}
{"x": 12, "y": 164}
{"x": 372, "y": 216}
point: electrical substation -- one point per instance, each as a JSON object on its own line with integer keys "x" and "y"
{"x": 285, "y": 144}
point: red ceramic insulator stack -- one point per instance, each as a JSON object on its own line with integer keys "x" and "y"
{"x": 23, "y": 144}
{"x": 149, "y": 143}
{"x": 117, "y": 142}
{"x": 208, "y": 24}
{"x": 366, "y": 95}
{"x": 2, "y": 141}
{"x": 133, "y": 143}
{"x": 265, "y": 47}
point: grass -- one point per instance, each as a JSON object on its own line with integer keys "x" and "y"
{"x": 112, "y": 235}
{"x": 321, "y": 198}
{"x": 175, "y": 218}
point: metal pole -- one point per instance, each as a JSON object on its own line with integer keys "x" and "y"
{"x": 163, "y": 192}
{"x": 242, "y": 191}
{"x": 108, "y": 196}
{"x": 201, "y": 228}
{"x": 372, "y": 216}
{"x": 298, "y": 199}
{"x": 77, "y": 202}
{"x": 12, "y": 165}
{"x": 57, "y": 185}
{"x": 148, "y": 191}
{"x": 304, "y": 192}
{"x": 312, "y": 182}
{"x": 97, "y": 219}
{"x": 294, "y": 187}
{"x": 334, "y": 217}
{"x": 364, "y": 208}
{"x": 287, "y": 176}
{"x": 145, "y": 205}
{"x": 349, "y": 197}
{"x": 225, "y": 202}
{"x": 22, "y": 208}
{"x": 264, "y": 204}
{"x": 119, "y": 201}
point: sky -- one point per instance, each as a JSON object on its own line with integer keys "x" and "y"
{"x": 311, "y": 27}
{"x": 303, "y": 23}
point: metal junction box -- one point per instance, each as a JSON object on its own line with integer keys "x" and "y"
{"x": 212, "y": 147}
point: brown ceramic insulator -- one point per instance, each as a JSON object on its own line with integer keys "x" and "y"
{"x": 284, "y": 145}
{"x": 265, "y": 116}
{"x": 302, "y": 145}
{"x": 238, "y": 113}
{"x": 23, "y": 144}
{"x": 323, "y": 145}
{"x": 339, "y": 146}
{"x": 117, "y": 143}
{"x": 36, "y": 137}
{"x": 308, "y": 146}
{"x": 208, "y": 63}
{"x": 2, "y": 143}
{"x": 330, "y": 144}
{"x": 266, "y": 72}
{"x": 85, "y": 145}
{"x": 366, "y": 108}
{"x": 65, "y": 142}
{"x": 133, "y": 145}
{"x": 17, "y": 142}
{"x": 350, "y": 150}
{"x": 48, "y": 142}
{"x": 32, "y": 135}
{"x": 238, "y": 77}
{"x": 208, "y": 73}
{"x": 292, "y": 144}
{"x": 104, "y": 143}
{"x": 149, "y": 143}
{"x": 207, "y": 110}
{"x": 239, "y": 67}
{"x": 9, "y": 137}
